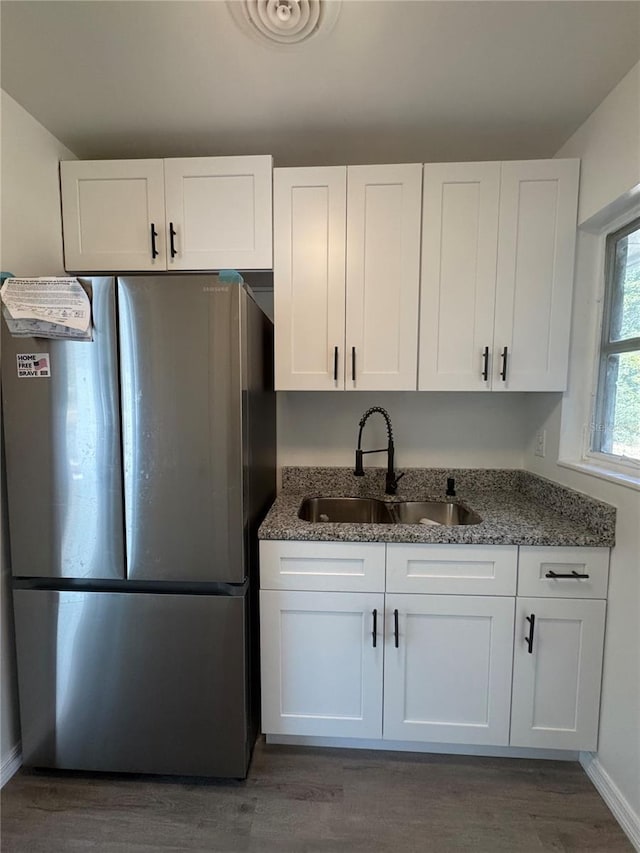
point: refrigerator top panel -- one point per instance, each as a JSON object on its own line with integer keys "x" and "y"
{"x": 63, "y": 454}
{"x": 181, "y": 387}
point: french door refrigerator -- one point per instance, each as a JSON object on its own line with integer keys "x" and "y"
{"x": 137, "y": 475}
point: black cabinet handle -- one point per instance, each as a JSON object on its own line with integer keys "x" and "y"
{"x": 532, "y": 626}
{"x": 374, "y": 633}
{"x": 154, "y": 234}
{"x": 396, "y": 632}
{"x": 172, "y": 234}
{"x": 503, "y": 372}
{"x": 335, "y": 364}
{"x": 353, "y": 363}
{"x": 575, "y": 575}
{"x": 485, "y": 364}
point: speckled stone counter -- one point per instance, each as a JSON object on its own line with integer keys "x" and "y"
{"x": 517, "y": 508}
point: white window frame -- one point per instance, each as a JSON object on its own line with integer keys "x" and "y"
{"x": 580, "y": 402}
{"x": 607, "y": 348}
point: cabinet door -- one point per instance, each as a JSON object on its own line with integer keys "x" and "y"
{"x": 458, "y": 276}
{"x": 556, "y": 684}
{"x": 321, "y": 671}
{"x": 310, "y": 208}
{"x": 383, "y": 266}
{"x": 219, "y": 210}
{"x": 538, "y": 203}
{"x": 109, "y": 210}
{"x": 448, "y": 677}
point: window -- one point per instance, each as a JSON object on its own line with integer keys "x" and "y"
{"x": 616, "y": 425}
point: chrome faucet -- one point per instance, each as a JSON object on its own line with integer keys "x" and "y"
{"x": 391, "y": 480}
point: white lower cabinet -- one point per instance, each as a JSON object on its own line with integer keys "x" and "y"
{"x": 447, "y": 668}
{"x": 557, "y": 671}
{"x": 432, "y": 665}
{"x": 322, "y": 663}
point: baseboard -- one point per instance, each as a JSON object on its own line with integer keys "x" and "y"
{"x": 11, "y": 764}
{"x": 438, "y": 748}
{"x": 611, "y": 794}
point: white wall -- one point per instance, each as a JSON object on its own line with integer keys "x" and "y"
{"x": 609, "y": 145}
{"x": 30, "y": 244}
{"x": 475, "y": 430}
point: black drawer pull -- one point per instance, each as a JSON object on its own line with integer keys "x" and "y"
{"x": 172, "y": 236}
{"x": 532, "y": 626}
{"x": 374, "y": 633}
{"x": 575, "y": 575}
{"x": 154, "y": 234}
{"x": 335, "y": 364}
{"x": 396, "y": 631}
{"x": 353, "y": 363}
{"x": 485, "y": 364}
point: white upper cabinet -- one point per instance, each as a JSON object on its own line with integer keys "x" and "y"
{"x": 347, "y": 236}
{"x": 310, "y": 208}
{"x": 220, "y": 211}
{"x": 383, "y": 277}
{"x": 154, "y": 215}
{"x": 113, "y": 215}
{"x": 536, "y": 248}
{"x": 459, "y": 239}
{"x": 497, "y": 275}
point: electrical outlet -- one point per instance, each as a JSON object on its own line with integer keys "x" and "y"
{"x": 541, "y": 442}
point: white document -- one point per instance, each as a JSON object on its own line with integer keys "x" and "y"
{"x": 47, "y": 308}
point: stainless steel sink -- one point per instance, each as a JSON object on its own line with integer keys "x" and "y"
{"x": 433, "y": 512}
{"x": 372, "y": 511}
{"x": 345, "y": 510}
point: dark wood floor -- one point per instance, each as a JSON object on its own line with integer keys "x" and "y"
{"x": 317, "y": 801}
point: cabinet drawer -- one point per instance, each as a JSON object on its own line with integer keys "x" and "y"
{"x": 537, "y": 566}
{"x": 323, "y": 566}
{"x": 452, "y": 569}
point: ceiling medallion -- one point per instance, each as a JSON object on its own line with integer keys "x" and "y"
{"x": 284, "y": 21}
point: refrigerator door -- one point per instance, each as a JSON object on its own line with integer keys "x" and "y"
{"x": 133, "y": 682}
{"x": 63, "y": 456}
{"x": 182, "y": 431}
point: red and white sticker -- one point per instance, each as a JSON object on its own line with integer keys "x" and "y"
{"x": 33, "y": 365}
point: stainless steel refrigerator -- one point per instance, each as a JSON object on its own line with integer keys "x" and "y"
{"x": 137, "y": 475}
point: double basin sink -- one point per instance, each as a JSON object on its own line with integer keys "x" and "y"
{"x": 372, "y": 511}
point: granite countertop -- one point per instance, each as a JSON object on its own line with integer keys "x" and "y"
{"x": 516, "y": 507}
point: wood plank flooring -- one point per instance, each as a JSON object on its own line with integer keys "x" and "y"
{"x": 299, "y": 800}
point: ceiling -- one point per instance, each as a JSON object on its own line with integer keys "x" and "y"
{"x": 393, "y": 80}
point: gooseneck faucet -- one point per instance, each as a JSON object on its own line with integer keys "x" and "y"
{"x": 391, "y": 480}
